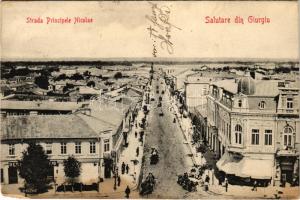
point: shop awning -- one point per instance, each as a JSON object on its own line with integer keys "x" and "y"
{"x": 245, "y": 167}
{"x": 256, "y": 169}
{"x": 228, "y": 164}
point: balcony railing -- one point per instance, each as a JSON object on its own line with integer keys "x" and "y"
{"x": 288, "y": 111}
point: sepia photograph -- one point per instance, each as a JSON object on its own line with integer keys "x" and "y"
{"x": 150, "y": 100}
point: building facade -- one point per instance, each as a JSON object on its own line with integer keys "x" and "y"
{"x": 255, "y": 123}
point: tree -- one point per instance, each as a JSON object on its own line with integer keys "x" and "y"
{"x": 42, "y": 82}
{"x": 76, "y": 77}
{"x": 72, "y": 168}
{"x": 91, "y": 84}
{"x": 87, "y": 73}
{"x": 34, "y": 167}
{"x": 118, "y": 75}
{"x": 67, "y": 87}
{"x": 61, "y": 77}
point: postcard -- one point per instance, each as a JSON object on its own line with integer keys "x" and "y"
{"x": 150, "y": 99}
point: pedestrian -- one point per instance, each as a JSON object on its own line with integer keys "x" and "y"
{"x": 127, "y": 169}
{"x": 254, "y": 186}
{"x": 127, "y": 192}
{"x": 119, "y": 180}
{"x": 226, "y": 184}
{"x": 137, "y": 151}
{"x": 142, "y": 134}
{"x": 123, "y": 167}
{"x": 135, "y": 134}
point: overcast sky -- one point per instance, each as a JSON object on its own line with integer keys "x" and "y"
{"x": 120, "y": 30}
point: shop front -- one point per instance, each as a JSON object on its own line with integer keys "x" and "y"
{"x": 287, "y": 170}
{"x": 242, "y": 170}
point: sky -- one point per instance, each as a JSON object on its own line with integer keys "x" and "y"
{"x": 119, "y": 30}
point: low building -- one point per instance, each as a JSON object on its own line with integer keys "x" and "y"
{"x": 93, "y": 135}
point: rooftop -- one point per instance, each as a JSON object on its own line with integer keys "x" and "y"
{"x": 45, "y": 126}
{"x": 229, "y": 85}
{"x": 104, "y": 117}
{"x": 39, "y": 105}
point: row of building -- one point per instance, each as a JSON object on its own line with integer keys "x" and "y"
{"x": 252, "y": 124}
{"x": 92, "y": 131}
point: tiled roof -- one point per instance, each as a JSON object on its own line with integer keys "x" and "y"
{"x": 39, "y": 105}
{"x": 266, "y": 88}
{"x": 104, "y": 117}
{"x": 112, "y": 112}
{"x": 45, "y": 126}
{"x": 88, "y": 90}
{"x": 229, "y": 85}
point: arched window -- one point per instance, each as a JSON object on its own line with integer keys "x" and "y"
{"x": 288, "y": 136}
{"x": 238, "y": 134}
{"x": 262, "y": 105}
{"x": 239, "y": 103}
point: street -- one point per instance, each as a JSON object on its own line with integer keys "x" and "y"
{"x": 167, "y": 138}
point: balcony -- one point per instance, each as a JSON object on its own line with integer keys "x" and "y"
{"x": 288, "y": 111}
{"x": 288, "y": 151}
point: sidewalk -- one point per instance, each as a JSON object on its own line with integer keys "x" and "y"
{"x": 185, "y": 125}
{"x": 129, "y": 154}
{"x": 262, "y": 192}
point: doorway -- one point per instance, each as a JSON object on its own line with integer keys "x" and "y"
{"x": 12, "y": 175}
{"x": 286, "y": 177}
{"x": 108, "y": 167}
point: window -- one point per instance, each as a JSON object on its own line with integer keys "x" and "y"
{"x": 289, "y": 103}
{"x": 262, "y": 105}
{"x": 11, "y": 149}
{"x": 2, "y": 174}
{"x": 92, "y": 147}
{"x": 255, "y": 137}
{"x": 48, "y": 148}
{"x": 268, "y": 137}
{"x": 63, "y": 148}
{"x": 238, "y": 134}
{"x": 288, "y": 136}
{"x": 106, "y": 145}
{"x": 240, "y": 103}
{"x": 78, "y": 147}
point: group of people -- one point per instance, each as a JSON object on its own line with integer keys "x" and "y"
{"x": 141, "y": 134}
{"x": 124, "y": 168}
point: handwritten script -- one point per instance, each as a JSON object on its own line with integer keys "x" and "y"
{"x": 160, "y": 28}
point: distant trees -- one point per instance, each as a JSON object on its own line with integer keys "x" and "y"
{"x": 61, "y": 77}
{"x": 67, "y": 87}
{"x": 34, "y": 167}
{"x": 282, "y": 69}
{"x": 91, "y": 84}
{"x": 42, "y": 82}
{"x": 87, "y": 73}
{"x": 118, "y": 75}
{"x": 72, "y": 169}
{"x": 77, "y": 77}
